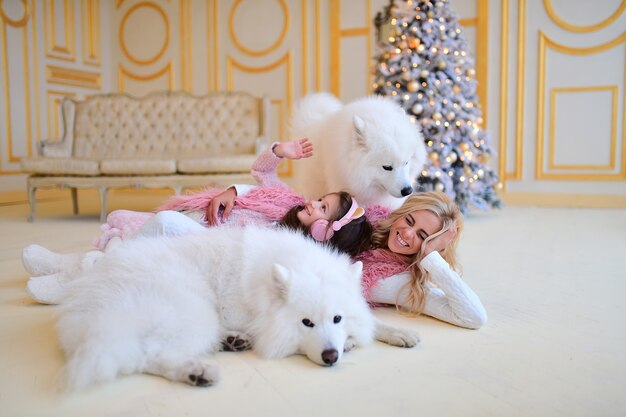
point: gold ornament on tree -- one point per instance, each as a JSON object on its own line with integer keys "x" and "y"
{"x": 413, "y": 86}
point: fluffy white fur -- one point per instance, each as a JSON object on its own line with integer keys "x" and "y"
{"x": 159, "y": 305}
{"x": 369, "y": 148}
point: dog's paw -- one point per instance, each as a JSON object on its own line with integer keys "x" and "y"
{"x": 395, "y": 336}
{"x": 201, "y": 375}
{"x": 349, "y": 345}
{"x": 236, "y": 342}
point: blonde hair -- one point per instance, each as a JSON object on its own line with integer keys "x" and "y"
{"x": 445, "y": 209}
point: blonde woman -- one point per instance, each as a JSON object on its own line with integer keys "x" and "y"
{"x": 413, "y": 262}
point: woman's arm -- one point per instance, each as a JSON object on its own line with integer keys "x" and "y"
{"x": 452, "y": 300}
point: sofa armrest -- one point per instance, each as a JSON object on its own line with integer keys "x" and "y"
{"x": 63, "y": 148}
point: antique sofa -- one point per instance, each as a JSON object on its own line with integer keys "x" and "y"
{"x": 164, "y": 140}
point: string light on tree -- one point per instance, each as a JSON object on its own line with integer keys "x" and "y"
{"x": 423, "y": 63}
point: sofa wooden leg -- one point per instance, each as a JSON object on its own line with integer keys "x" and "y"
{"x": 74, "y": 200}
{"x": 32, "y": 202}
{"x": 103, "y": 204}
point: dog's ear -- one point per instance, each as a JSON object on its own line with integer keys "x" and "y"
{"x": 359, "y": 130}
{"x": 281, "y": 278}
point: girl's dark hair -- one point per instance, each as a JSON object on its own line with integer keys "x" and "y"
{"x": 353, "y": 238}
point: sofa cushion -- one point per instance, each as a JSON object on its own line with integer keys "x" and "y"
{"x": 60, "y": 166}
{"x": 212, "y": 164}
{"x": 138, "y": 166}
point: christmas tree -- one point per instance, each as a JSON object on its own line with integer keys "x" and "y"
{"x": 423, "y": 63}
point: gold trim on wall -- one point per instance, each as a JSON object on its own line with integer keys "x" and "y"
{"x": 258, "y": 52}
{"x": 504, "y": 92}
{"x": 318, "y": 45}
{"x": 212, "y": 40}
{"x": 73, "y": 77}
{"x": 552, "y": 130}
{"x": 520, "y": 92}
{"x": 63, "y": 52}
{"x": 123, "y": 74}
{"x": 21, "y": 25}
{"x": 16, "y": 23}
{"x": 546, "y": 43}
{"x": 166, "y": 42}
{"x": 186, "y": 45}
{"x": 581, "y": 28}
{"x": 91, "y": 32}
{"x": 53, "y": 110}
{"x": 232, "y": 64}
{"x": 336, "y": 34}
{"x": 305, "y": 47}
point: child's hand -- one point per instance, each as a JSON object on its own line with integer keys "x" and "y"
{"x": 225, "y": 199}
{"x": 296, "y": 149}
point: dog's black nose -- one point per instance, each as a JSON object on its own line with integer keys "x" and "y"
{"x": 330, "y": 356}
{"x": 406, "y": 191}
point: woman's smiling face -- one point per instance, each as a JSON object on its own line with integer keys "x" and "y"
{"x": 409, "y": 231}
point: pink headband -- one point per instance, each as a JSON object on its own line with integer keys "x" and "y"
{"x": 354, "y": 213}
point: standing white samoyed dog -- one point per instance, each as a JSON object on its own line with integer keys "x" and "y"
{"x": 369, "y": 148}
{"x": 158, "y": 305}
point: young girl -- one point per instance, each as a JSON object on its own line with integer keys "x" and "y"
{"x": 413, "y": 261}
{"x": 335, "y": 219}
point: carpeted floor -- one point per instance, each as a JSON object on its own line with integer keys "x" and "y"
{"x": 551, "y": 279}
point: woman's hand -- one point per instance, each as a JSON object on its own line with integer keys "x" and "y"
{"x": 225, "y": 199}
{"x": 440, "y": 242}
{"x": 296, "y": 149}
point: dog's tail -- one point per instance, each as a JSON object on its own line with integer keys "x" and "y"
{"x": 310, "y": 110}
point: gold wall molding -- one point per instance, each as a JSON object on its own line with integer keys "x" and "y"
{"x": 212, "y": 43}
{"x": 186, "y": 47}
{"x": 582, "y": 28}
{"x": 124, "y": 74}
{"x": 232, "y": 64}
{"x": 564, "y": 200}
{"x": 552, "y": 131}
{"x": 546, "y": 43}
{"x": 91, "y": 32}
{"x": 54, "y": 102}
{"x": 304, "y": 47}
{"x": 516, "y": 174}
{"x": 65, "y": 52}
{"x": 16, "y": 22}
{"x": 73, "y": 77}
{"x": 337, "y": 33}
{"x": 258, "y": 52}
{"x": 166, "y": 41}
{"x": 19, "y": 25}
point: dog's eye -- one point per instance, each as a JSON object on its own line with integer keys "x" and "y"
{"x": 336, "y": 319}
{"x": 387, "y": 167}
{"x": 307, "y": 323}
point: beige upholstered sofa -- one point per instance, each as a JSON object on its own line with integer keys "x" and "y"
{"x": 164, "y": 140}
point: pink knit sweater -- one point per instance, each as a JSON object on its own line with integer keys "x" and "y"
{"x": 265, "y": 204}
{"x": 379, "y": 263}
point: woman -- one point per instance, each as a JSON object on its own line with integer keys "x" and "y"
{"x": 413, "y": 262}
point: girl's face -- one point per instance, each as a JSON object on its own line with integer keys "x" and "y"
{"x": 409, "y": 231}
{"x": 324, "y": 208}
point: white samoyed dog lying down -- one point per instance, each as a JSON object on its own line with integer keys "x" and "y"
{"x": 369, "y": 148}
{"x": 159, "y": 305}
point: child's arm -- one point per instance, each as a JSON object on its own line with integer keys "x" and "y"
{"x": 263, "y": 171}
{"x": 264, "y": 168}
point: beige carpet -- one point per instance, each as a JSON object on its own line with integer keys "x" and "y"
{"x": 552, "y": 280}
